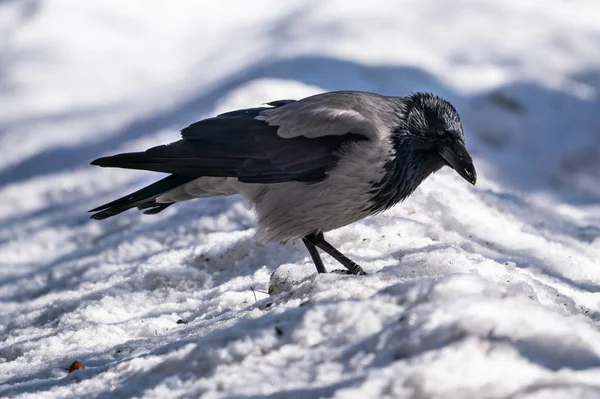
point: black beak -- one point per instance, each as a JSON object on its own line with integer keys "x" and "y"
{"x": 459, "y": 159}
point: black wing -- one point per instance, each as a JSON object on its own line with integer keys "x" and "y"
{"x": 235, "y": 144}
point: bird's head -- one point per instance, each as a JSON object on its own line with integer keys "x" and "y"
{"x": 433, "y": 127}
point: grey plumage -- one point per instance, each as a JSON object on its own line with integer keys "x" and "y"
{"x": 307, "y": 166}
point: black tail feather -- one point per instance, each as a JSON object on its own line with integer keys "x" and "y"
{"x": 178, "y": 158}
{"x": 142, "y": 199}
{"x": 116, "y": 160}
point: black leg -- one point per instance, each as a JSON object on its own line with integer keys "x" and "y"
{"x": 319, "y": 240}
{"x": 314, "y": 254}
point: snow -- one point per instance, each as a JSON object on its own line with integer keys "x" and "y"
{"x": 485, "y": 291}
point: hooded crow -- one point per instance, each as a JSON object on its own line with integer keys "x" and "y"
{"x": 306, "y": 166}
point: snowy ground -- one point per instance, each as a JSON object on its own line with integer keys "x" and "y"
{"x": 486, "y": 291}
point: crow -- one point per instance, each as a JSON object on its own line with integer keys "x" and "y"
{"x": 308, "y": 166}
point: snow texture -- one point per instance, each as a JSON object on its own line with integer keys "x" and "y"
{"x": 473, "y": 292}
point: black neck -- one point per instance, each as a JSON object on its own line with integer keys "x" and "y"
{"x": 404, "y": 173}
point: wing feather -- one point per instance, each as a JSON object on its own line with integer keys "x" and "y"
{"x": 335, "y": 113}
{"x": 289, "y": 141}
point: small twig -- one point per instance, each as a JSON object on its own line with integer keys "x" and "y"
{"x": 255, "y": 291}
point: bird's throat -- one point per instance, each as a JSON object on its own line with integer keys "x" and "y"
{"x": 403, "y": 174}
